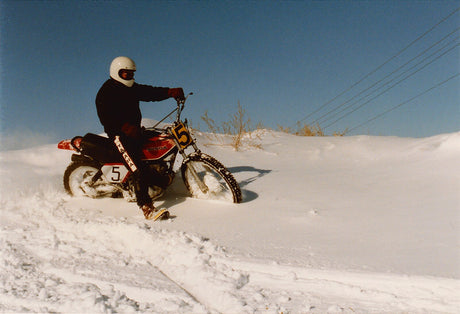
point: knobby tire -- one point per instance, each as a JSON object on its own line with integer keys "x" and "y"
{"x": 219, "y": 168}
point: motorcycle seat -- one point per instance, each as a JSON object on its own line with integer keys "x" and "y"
{"x": 100, "y": 148}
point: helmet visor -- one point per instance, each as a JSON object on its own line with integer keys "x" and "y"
{"x": 126, "y": 74}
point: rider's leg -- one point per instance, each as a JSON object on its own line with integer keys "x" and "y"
{"x": 131, "y": 149}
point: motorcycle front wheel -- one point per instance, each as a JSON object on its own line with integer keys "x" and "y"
{"x": 206, "y": 178}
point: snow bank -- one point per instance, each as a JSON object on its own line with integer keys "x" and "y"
{"x": 354, "y": 224}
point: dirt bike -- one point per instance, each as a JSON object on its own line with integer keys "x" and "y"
{"x": 97, "y": 168}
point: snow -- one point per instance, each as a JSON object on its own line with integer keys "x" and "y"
{"x": 358, "y": 224}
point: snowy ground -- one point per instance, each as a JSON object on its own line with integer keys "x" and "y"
{"x": 355, "y": 224}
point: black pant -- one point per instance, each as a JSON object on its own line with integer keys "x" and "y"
{"x": 131, "y": 151}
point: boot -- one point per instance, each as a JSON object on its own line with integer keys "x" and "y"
{"x": 148, "y": 210}
{"x": 152, "y": 213}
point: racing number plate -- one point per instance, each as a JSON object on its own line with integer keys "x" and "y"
{"x": 182, "y": 135}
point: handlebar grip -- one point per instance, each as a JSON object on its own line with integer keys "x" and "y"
{"x": 181, "y": 101}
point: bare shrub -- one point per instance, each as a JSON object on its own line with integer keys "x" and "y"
{"x": 238, "y": 127}
{"x": 308, "y": 130}
{"x": 242, "y": 133}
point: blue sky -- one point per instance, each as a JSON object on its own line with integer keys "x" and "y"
{"x": 280, "y": 60}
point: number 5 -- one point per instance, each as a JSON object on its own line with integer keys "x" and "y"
{"x": 182, "y": 135}
{"x": 117, "y": 173}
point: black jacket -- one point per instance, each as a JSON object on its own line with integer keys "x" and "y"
{"x": 118, "y": 104}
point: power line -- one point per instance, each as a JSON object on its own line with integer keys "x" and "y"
{"x": 380, "y": 66}
{"x": 376, "y": 83}
{"x": 362, "y": 105}
{"x": 405, "y": 102}
{"x": 394, "y": 85}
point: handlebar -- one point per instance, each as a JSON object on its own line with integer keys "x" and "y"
{"x": 182, "y": 101}
{"x": 180, "y": 107}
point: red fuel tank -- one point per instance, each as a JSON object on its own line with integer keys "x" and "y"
{"x": 158, "y": 147}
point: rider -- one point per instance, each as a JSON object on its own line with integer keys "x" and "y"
{"x": 117, "y": 104}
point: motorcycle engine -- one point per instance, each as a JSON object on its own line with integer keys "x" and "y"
{"x": 161, "y": 174}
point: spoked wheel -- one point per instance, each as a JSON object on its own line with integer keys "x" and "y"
{"x": 77, "y": 179}
{"x": 206, "y": 178}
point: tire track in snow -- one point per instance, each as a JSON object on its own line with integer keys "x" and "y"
{"x": 72, "y": 247}
{"x": 329, "y": 290}
{"x": 50, "y": 263}
{"x": 59, "y": 263}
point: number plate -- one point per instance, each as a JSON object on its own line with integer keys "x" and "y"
{"x": 115, "y": 173}
{"x": 182, "y": 135}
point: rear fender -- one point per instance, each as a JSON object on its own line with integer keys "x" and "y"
{"x": 85, "y": 159}
{"x": 73, "y": 144}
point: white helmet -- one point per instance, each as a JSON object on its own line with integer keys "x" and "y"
{"x": 122, "y": 63}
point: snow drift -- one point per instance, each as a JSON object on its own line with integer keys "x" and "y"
{"x": 349, "y": 224}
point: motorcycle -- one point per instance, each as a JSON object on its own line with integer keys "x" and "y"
{"x": 97, "y": 168}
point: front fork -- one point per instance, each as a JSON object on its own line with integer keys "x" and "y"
{"x": 203, "y": 187}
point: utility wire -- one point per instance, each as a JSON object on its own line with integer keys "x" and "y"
{"x": 390, "y": 74}
{"x": 398, "y": 76}
{"x": 362, "y": 105}
{"x": 403, "y": 103}
{"x": 382, "y": 65}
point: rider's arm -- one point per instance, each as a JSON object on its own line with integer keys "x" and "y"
{"x": 150, "y": 93}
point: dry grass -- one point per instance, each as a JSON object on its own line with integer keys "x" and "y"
{"x": 238, "y": 127}
{"x": 242, "y": 133}
{"x": 303, "y": 130}
{"x": 308, "y": 130}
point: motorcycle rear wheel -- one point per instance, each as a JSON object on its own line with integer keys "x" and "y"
{"x": 212, "y": 180}
{"x": 77, "y": 178}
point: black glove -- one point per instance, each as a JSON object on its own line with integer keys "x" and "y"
{"x": 176, "y": 93}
